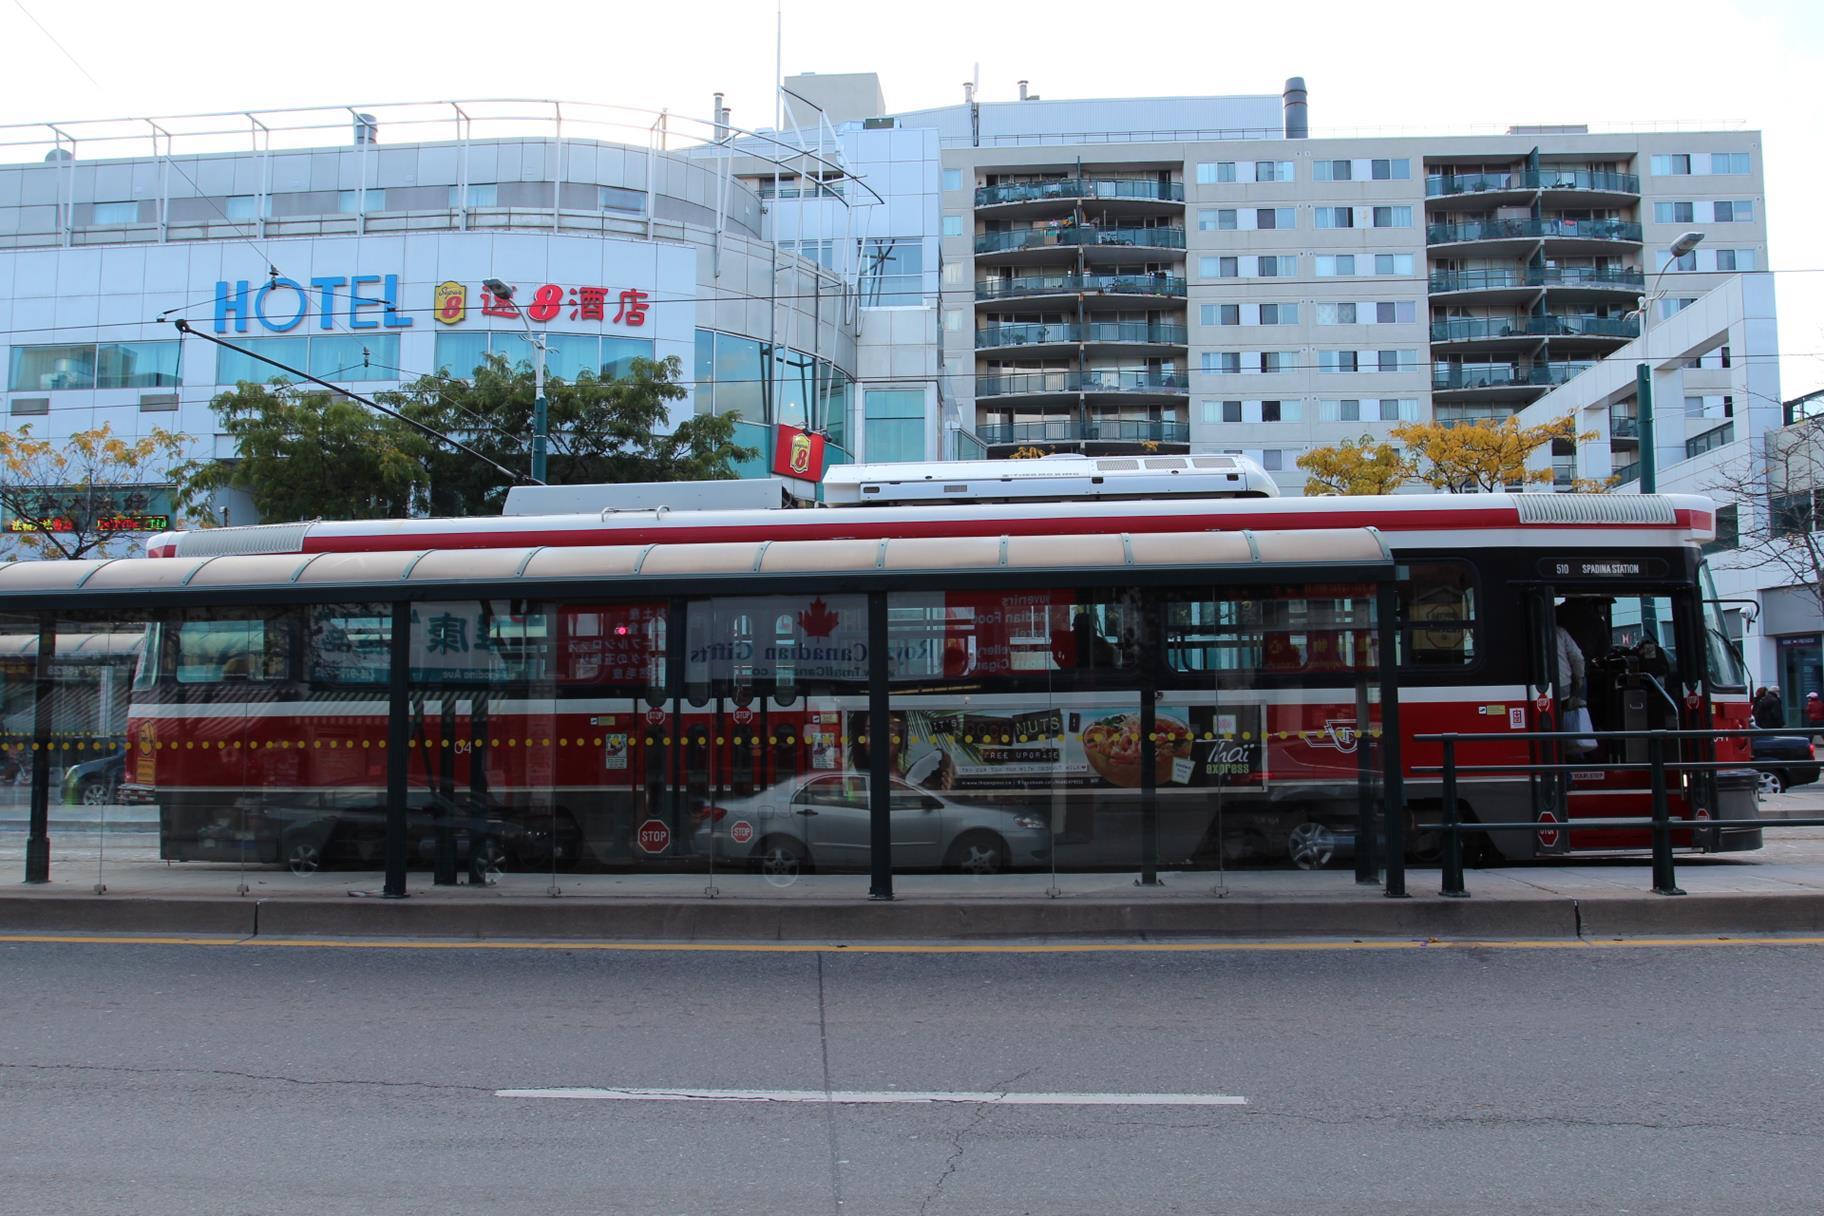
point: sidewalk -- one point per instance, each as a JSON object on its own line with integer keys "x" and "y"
{"x": 1778, "y": 889}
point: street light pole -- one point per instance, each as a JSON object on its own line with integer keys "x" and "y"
{"x": 1643, "y": 371}
{"x": 541, "y": 423}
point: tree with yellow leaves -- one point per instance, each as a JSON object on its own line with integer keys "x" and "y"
{"x": 1357, "y": 466}
{"x": 66, "y": 500}
{"x": 1483, "y": 456}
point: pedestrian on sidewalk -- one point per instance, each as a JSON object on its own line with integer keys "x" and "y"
{"x": 1769, "y": 714}
{"x": 1814, "y": 715}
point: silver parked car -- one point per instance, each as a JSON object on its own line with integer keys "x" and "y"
{"x": 822, "y": 822}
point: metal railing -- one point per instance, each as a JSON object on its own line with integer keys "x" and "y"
{"x": 1124, "y": 430}
{"x": 1046, "y": 334}
{"x": 1531, "y": 229}
{"x": 1443, "y": 185}
{"x": 1071, "y": 284}
{"x": 1078, "y": 236}
{"x": 1073, "y": 188}
{"x": 1538, "y": 325}
{"x": 1502, "y": 376}
{"x": 1632, "y": 281}
{"x": 1094, "y": 380}
{"x": 1657, "y": 765}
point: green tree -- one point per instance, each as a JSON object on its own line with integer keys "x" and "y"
{"x": 71, "y": 499}
{"x": 308, "y": 454}
{"x": 602, "y": 430}
{"x": 1355, "y": 466}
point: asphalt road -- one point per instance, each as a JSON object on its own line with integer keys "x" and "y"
{"x": 193, "y": 1079}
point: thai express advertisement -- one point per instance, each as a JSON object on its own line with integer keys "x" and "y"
{"x": 1082, "y": 747}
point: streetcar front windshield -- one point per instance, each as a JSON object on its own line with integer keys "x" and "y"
{"x": 1727, "y": 670}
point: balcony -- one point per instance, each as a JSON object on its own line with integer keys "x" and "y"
{"x": 1070, "y": 382}
{"x": 1626, "y": 473}
{"x": 1029, "y": 286}
{"x": 1133, "y": 431}
{"x": 1066, "y": 241}
{"x": 1521, "y": 235}
{"x": 1570, "y": 183}
{"x": 1110, "y": 194}
{"x": 1521, "y": 284}
{"x": 1624, "y": 426}
{"x": 1095, "y": 333}
{"x": 1503, "y": 379}
{"x": 1531, "y": 328}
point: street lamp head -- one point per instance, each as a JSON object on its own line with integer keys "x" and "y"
{"x": 504, "y": 291}
{"x": 1686, "y": 243}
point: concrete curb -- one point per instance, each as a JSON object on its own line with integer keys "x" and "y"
{"x": 1797, "y": 912}
{"x": 801, "y": 920}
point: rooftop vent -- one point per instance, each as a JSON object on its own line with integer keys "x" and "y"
{"x": 1298, "y": 121}
{"x": 367, "y": 129}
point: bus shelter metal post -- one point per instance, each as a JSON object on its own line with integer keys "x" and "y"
{"x": 1393, "y": 790}
{"x": 1367, "y": 865}
{"x": 445, "y": 875}
{"x": 1664, "y": 881}
{"x": 38, "y": 838}
{"x": 398, "y": 729}
{"x": 1453, "y": 839}
{"x": 880, "y": 754}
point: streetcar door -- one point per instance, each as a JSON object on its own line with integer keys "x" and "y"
{"x": 1545, "y": 712}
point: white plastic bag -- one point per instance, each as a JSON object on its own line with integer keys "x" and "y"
{"x": 1579, "y": 720}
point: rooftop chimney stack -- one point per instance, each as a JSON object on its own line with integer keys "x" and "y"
{"x": 968, "y": 92}
{"x": 367, "y": 129}
{"x": 1298, "y": 121}
{"x": 1023, "y": 90}
{"x": 720, "y": 112}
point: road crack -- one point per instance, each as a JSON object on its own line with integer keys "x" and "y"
{"x": 957, "y": 1147}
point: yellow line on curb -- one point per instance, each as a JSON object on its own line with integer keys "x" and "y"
{"x": 1202, "y": 947}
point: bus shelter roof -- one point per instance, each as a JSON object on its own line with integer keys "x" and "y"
{"x": 557, "y": 572}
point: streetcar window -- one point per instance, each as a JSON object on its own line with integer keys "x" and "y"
{"x": 1276, "y": 630}
{"x": 216, "y": 651}
{"x": 1438, "y": 605}
{"x": 1726, "y": 669}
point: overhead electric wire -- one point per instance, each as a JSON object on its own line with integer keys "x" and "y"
{"x": 184, "y": 326}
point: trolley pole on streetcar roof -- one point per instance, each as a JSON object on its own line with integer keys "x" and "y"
{"x": 541, "y": 422}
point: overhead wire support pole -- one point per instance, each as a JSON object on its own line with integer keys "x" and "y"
{"x": 184, "y": 327}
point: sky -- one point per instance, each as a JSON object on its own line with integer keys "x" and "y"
{"x": 1460, "y": 69}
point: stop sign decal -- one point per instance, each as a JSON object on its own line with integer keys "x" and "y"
{"x": 654, "y": 836}
{"x": 741, "y": 831}
{"x": 1548, "y": 837}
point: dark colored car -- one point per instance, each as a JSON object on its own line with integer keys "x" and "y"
{"x": 95, "y": 782}
{"x": 1784, "y": 761}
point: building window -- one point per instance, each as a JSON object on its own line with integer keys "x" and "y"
{"x": 1336, "y": 361}
{"x": 953, "y": 224}
{"x": 1393, "y": 217}
{"x": 348, "y": 202}
{"x": 1735, "y": 259}
{"x": 1272, "y": 460}
{"x": 1274, "y": 361}
{"x": 1341, "y": 265}
{"x": 1672, "y": 213}
{"x": 1394, "y": 312}
{"x": 1349, "y": 411}
{"x": 1394, "y": 170}
{"x": 892, "y": 272}
{"x": 1226, "y": 219}
{"x": 487, "y": 194}
{"x": 1697, "y": 445}
{"x": 1222, "y": 362}
{"x": 1272, "y": 170}
{"x": 1211, "y": 219}
{"x": 116, "y": 213}
{"x": 894, "y": 425}
{"x": 620, "y": 198}
{"x": 241, "y": 207}
{"x": 1393, "y": 263}
{"x": 1231, "y": 411}
{"x": 1671, "y": 165}
{"x": 1279, "y": 314}
{"x": 1734, "y": 211}
{"x": 1728, "y": 529}
{"x": 109, "y": 365}
{"x": 1333, "y": 170}
{"x": 1222, "y": 314}
{"x": 1209, "y": 173}
{"x": 1335, "y": 217}
{"x": 1727, "y": 162}
{"x": 1275, "y": 217}
{"x": 953, "y": 179}
{"x": 1270, "y": 411}
{"x": 1219, "y": 268}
